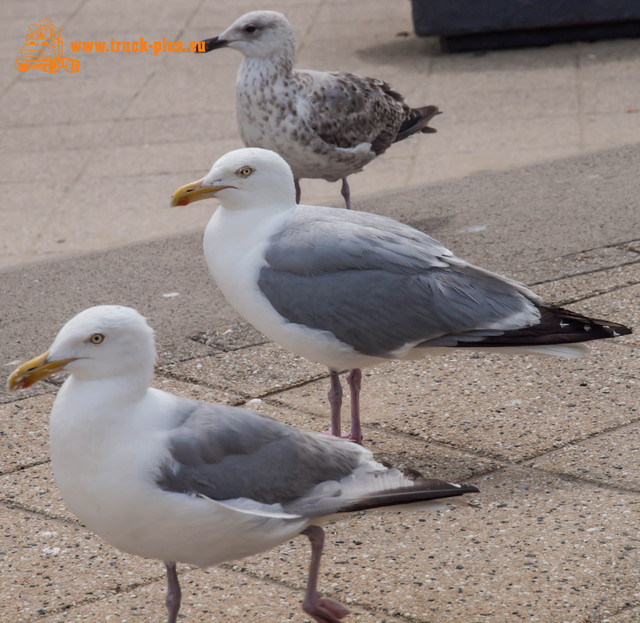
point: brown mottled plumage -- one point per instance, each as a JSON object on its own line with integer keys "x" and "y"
{"x": 324, "y": 124}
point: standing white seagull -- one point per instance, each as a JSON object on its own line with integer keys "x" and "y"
{"x": 166, "y": 477}
{"x": 352, "y": 289}
{"x": 324, "y": 124}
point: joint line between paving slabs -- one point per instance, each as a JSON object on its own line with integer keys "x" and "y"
{"x": 591, "y": 295}
{"x": 228, "y": 388}
{"x": 116, "y": 590}
{"x": 588, "y": 272}
{"x": 187, "y": 23}
{"x": 191, "y": 381}
{"x": 579, "y": 479}
{"x": 21, "y": 468}
{"x": 236, "y": 568}
{"x": 38, "y": 513}
{"x": 623, "y": 609}
{"x": 575, "y": 442}
{"x": 583, "y": 273}
{"x": 225, "y": 349}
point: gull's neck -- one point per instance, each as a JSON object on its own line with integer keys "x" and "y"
{"x": 234, "y": 237}
{"x": 267, "y": 69}
{"x": 253, "y": 221}
{"x": 121, "y": 390}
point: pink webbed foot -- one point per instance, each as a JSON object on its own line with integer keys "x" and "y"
{"x": 321, "y": 609}
{"x": 325, "y": 610}
{"x": 343, "y": 435}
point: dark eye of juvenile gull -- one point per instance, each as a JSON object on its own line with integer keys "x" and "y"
{"x": 250, "y": 28}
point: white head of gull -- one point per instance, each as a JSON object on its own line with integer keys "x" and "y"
{"x": 324, "y": 124}
{"x": 352, "y": 289}
{"x": 179, "y": 480}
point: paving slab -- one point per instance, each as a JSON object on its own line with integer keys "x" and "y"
{"x": 506, "y": 227}
{"x": 217, "y": 594}
{"x": 171, "y": 128}
{"x": 40, "y": 565}
{"x": 162, "y": 96}
{"x": 234, "y": 336}
{"x": 628, "y": 615}
{"x": 34, "y": 489}
{"x": 610, "y": 458}
{"x": 501, "y": 109}
{"x": 114, "y": 587}
{"x": 113, "y": 17}
{"x": 252, "y": 372}
{"x": 58, "y": 290}
{"x": 541, "y": 549}
{"x": 469, "y": 401}
{"x": 77, "y": 136}
{"x": 568, "y": 292}
{"x": 25, "y": 432}
{"x": 596, "y": 270}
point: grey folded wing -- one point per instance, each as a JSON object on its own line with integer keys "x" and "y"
{"x": 381, "y": 286}
{"x": 226, "y": 453}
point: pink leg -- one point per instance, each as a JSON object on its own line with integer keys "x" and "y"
{"x": 346, "y": 193}
{"x": 172, "y": 600}
{"x": 298, "y": 191}
{"x": 354, "y": 378}
{"x": 321, "y": 609}
{"x": 335, "y": 400}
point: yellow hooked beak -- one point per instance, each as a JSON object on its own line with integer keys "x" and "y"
{"x": 35, "y": 370}
{"x": 194, "y": 192}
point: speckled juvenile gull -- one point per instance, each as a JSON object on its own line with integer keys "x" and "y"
{"x": 324, "y": 124}
{"x": 185, "y": 481}
{"x": 353, "y": 289}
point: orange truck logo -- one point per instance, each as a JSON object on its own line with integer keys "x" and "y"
{"x": 43, "y": 48}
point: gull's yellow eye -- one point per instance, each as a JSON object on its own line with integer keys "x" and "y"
{"x": 96, "y": 338}
{"x": 244, "y": 171}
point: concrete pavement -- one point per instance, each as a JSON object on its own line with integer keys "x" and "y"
{"x": 88, "y": 159}
{"x": 88, "y": 166}
{"x": 552, "y": 444}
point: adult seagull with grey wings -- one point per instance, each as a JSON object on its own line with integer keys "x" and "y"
{"x": 166, "y": 477}
{"x": 352, "y": 289}
{"x": 324, "y": 124}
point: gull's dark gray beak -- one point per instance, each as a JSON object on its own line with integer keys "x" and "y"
{"x": 213, "y": 44}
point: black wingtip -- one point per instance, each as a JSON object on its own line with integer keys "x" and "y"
{"x": 568, "y": 326}
{"x": 214, "y": 43}
{"x": 557, "y": 326}
{"x": 418, "y": 121}
{"x": 422, "y": 490}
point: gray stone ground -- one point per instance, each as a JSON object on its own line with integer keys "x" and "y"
{"x": 91, "y": 159}
{"x": 87, "y": 160}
